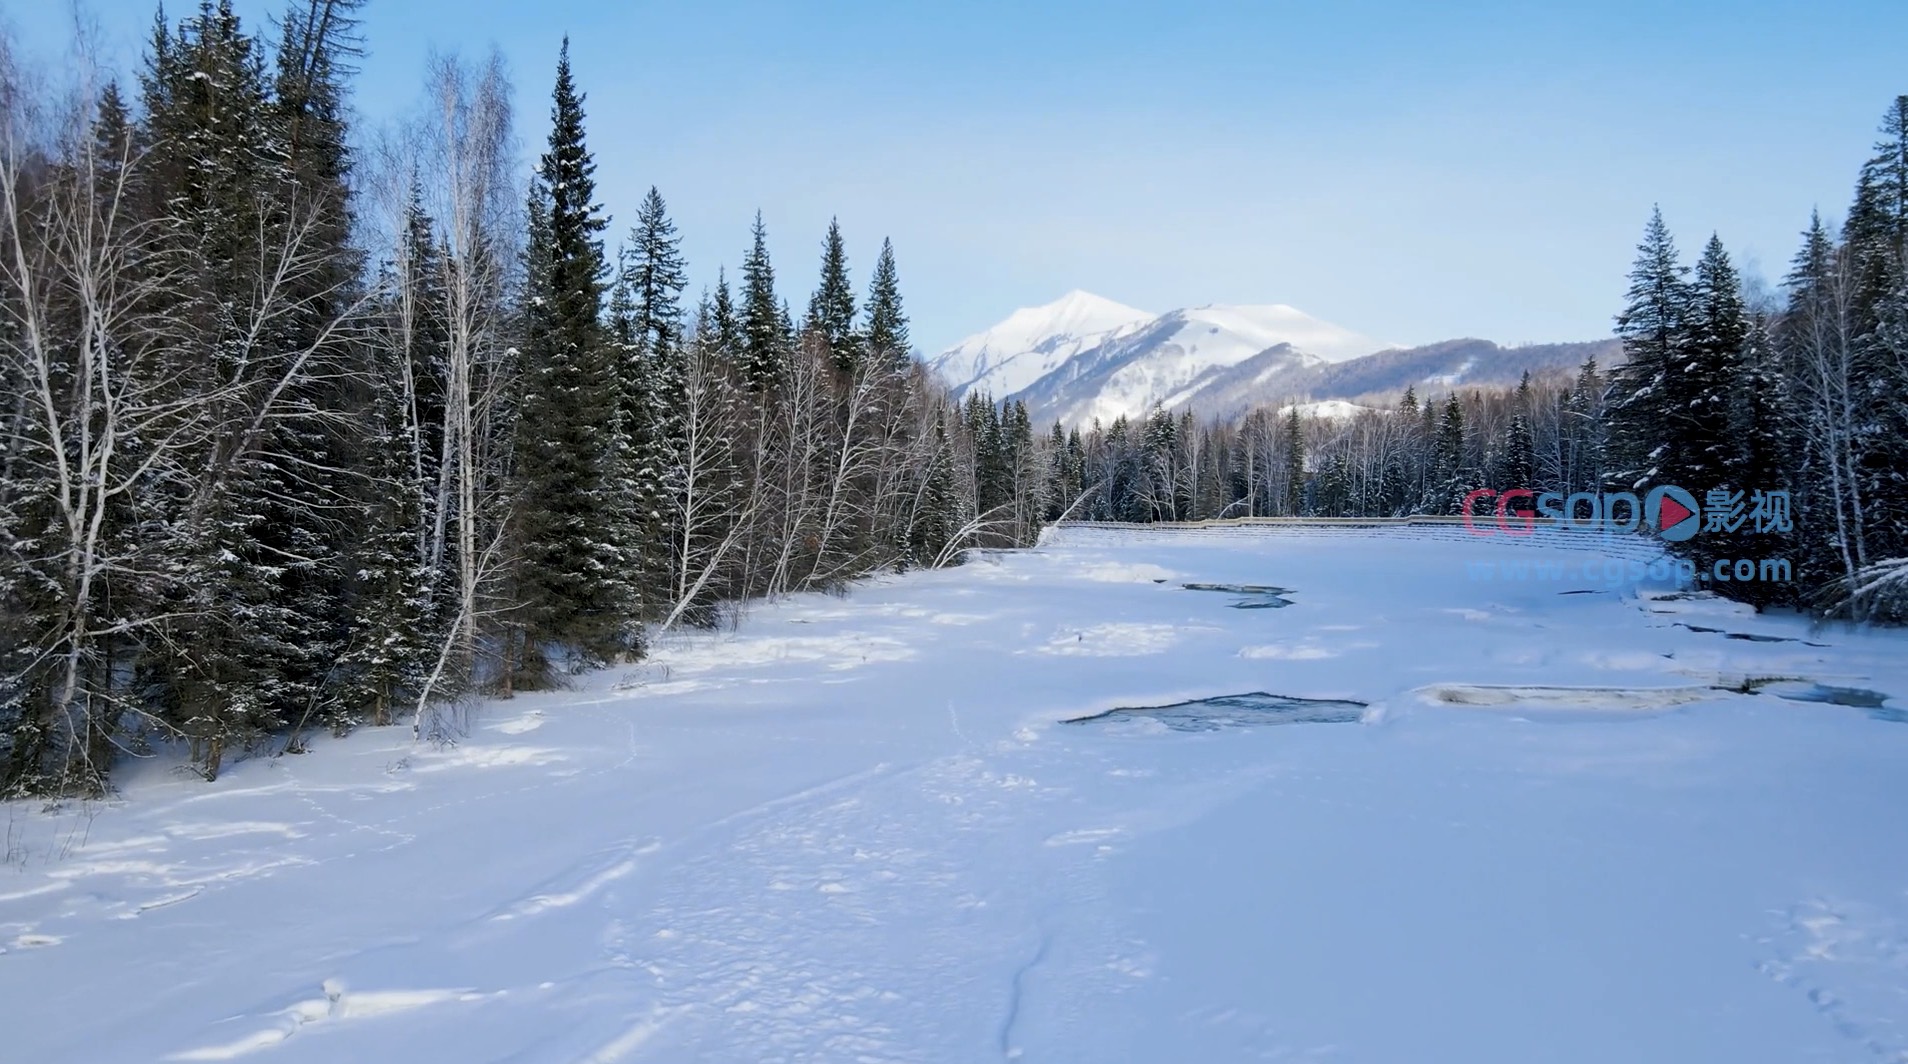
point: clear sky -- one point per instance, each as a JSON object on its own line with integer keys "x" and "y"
{"x": 1410, "y": 170}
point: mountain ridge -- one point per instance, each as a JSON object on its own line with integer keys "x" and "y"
{"x": 1082, "y": 358}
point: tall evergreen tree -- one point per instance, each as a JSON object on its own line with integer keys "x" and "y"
{"x": 886, "y": 328}
{"x": 1654, "y": 327}
{"x": 725, "y": 325}
{"x": 1517, "y": 456}
{"x": 1292, "y": 445}
{"x": 1582, "y": 431}
{"x": 654, "y": 270}
{"x": 831, "y": 311}
{"x": 573, "y": 534}
{"x": 646, "y": 320}
{"x": 1706, "y": 379}
{"x": 764, "y": 352}
{"x": 1450, "y": 476}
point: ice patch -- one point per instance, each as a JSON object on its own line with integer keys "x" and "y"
{"x": 1538, "y": 700}
{"x": 1251, "y": 596}
{"x": 1254, "y": 709}
{"x": 1857, "y": 697}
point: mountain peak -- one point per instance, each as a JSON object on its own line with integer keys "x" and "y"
{"x": 1084, "y": 356}
{"x": 1034, "y": 341}
{"x": 1079, "y": 312}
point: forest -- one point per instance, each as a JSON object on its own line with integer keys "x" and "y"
{"x": 311, "y": 431}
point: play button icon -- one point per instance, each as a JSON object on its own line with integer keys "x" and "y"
{"x": 1673, "y": 511}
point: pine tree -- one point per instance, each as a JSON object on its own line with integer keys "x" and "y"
{"x": 1654, "y": 327}
{"x": 1292, "y": 445}
{"x": 1582, "y": 431}
{"x": 1764, "y": 456}
{"x": 886, "y": 328}
{"x": 573, "y": 534}
{"x": 393, "y": 635}
{"x": 937, "y": 516}
{"x": 1450, "y": 477}
{"x": 725, "y": 324}
{"x": 398, "y": 590}
{"x": 653, "y": 269}
{"x": 1876, "y": 232}
{"x": 646, "y": 325}
{"x": 831, "y": 311}
{"x": 1706, "y": 380}
{"x": 1517, "y": 457}
{"x": 764, "y": 325}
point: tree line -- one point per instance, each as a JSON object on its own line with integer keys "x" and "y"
{"x": 307, "y": 430}
{"x": 1726, "y": 390}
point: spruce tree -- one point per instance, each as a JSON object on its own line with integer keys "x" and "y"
{"x": 764, "y": 350}
{"x": 573, "y": 536}
{"x": 1809, "y": 336}
{"x": 725, "y": 324}
{"x": 886, "y": 328}
{"x": 646, "y": 323}
{"x": 1765, "y": 453}
{"x": 1292, "y": 446}
{"x": 1654, "y": 327}
{"x": 936, "y": 516}
{"x": 1582, "y": 431}
{"x": 1517, "y": 456}
{"x": 1706, "y": 380}
{"x": 1449, "y": 476}
{"x": 831, "y": 311}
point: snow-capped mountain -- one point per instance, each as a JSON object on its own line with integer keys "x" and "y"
{"x": 1083, "y": 356}
{"x": 1033, "y": 342}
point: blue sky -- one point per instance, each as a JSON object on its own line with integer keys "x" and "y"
{"x": 1412, "y": 171}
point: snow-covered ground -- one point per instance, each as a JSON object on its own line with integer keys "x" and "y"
{"x": 857, "y": 830}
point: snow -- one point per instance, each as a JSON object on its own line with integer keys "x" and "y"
{"x": 1451, "y": 379}
{"x": 1084, "y": 356}
{"x": 1329, "y": 409}
{"x": 862, "y": 828}
{"x": 1158, "y": 363}
{"x": 1165, "y": 361}
{"x": 1260, "y": 327}
{"x": 1033, "y": 342}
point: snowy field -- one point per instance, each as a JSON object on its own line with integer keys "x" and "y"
{"x": 1472, "y": 820}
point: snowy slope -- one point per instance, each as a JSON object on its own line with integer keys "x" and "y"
{"x": 1032, "y": 342}
{"x": 1083, "y": 357}
{"x": 1169, "y": 359}
{"x": 1329, "y": 409}
{"x": 856, "y": 828}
